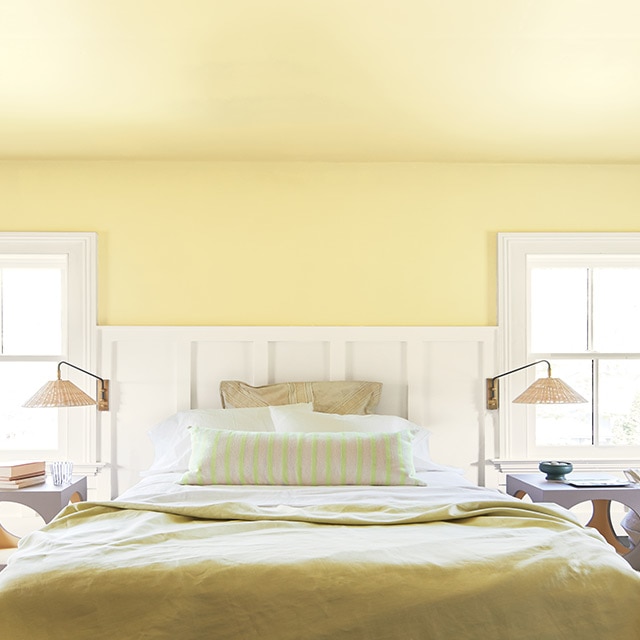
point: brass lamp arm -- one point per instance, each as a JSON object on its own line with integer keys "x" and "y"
{"x": 526, "y": 366}
{"x": 493, "y": 401}
{"x": 73, "y": 366}
{"x": 102, "y": 388}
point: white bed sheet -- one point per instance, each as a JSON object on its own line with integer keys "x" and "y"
{"x": 168, "y": 484}
{"x": 449, "y": 485}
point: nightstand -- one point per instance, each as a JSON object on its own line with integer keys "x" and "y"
{"x": 46, "y": 499}
{"x": 540, "y": 490}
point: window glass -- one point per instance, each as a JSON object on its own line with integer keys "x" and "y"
{"x": 567, "y": 424}
{"x": 31, "y": 311}
{"x": 21, "y": 428}
{"x": 31, "y": 306}
{"x": 619, "y": 405}
{"x": 616, "y": 309}
{"x": 558, "y": 309}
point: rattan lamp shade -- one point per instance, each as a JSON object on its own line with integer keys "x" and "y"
{"x": 549, "y": 391}
{"x": 63, "y": 393}
{"x": 59, "y": 393}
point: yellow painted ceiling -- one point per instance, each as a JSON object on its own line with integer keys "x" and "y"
{"x": 327, "y": 80}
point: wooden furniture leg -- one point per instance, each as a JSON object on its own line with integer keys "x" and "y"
{"x": 601, "y": 520}
{"x": 7, "y": 539}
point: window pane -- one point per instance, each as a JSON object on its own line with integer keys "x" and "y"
{"x": 25, "y": 428}
{"x": 558, "y": 310}
{"x": 616, "y": 309}
{"x": 31, "y": 311}
{"x": 567, "y": 424}
{"x": 619, "y": 404}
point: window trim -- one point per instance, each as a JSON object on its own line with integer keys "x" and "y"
{"x": 81, "y": 249}
{"x": 512, "y": 342}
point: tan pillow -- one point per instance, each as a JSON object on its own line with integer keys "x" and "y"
{"x": 344, "y": 396}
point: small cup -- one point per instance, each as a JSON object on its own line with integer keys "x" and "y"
{"x": 61, "y": 472}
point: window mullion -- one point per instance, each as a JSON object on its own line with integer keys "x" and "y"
{"x": 595, "y": 422}
{"x": 1, "y": 315}
{"x": 595, "y": 395}
{"x": 589, "y": 309}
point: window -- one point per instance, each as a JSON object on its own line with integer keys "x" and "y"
{"x": 47, "y": 314}
{"x": 572, "y": 299}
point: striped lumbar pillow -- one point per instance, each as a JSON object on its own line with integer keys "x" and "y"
{"x": 244, "y": 457}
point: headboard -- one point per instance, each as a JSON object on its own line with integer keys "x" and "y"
{"x": 433, "y": 376}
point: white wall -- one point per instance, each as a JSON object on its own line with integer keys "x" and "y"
{"x": 433, "y": 376}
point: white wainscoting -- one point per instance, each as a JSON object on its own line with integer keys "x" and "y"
{"x": 433, "y": 376}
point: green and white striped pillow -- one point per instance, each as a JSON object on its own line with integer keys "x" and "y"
{"x": 264, "y": 458}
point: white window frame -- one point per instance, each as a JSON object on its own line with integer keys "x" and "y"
{"x": 516, "y": 421}
{"x": 78, "y": 426}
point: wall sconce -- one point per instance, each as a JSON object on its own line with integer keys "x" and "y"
{"x": 63, "y": 393}
{"x": 543, "y": 391}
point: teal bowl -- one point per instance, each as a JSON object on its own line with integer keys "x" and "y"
{"x": 555, "y": 469}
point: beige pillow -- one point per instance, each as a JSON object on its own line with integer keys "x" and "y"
{"x": 344, "y": 396}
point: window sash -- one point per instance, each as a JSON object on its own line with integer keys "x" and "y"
{"x": 77, "y": 427}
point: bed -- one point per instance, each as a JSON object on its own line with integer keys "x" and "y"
{"x": 248, "y": 525}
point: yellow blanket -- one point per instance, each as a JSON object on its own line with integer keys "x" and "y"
{"x": 496, "y": 569}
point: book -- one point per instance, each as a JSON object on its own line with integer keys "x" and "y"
{"x": 25, "y": 482}
{"x": 599, "y": 482}
{"x": 21, "y": 476}
{"x": 14, "y": 468}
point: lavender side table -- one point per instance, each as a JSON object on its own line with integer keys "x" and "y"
{"x": 46, "y": 499}
{"x": 541, "y": 490}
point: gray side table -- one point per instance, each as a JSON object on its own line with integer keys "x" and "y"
{"x": 541, "y": 490}
{"x": 46, "y": 499}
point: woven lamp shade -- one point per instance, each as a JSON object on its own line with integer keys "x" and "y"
{"x": 549, "y": 391}
{"x": 59, "y": 393}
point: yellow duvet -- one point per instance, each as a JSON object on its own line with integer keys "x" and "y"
{"x": 417, "y": 564}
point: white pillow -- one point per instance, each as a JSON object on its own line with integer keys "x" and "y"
{"x": 288, "y": 419}
{"x": 307, "y": 459}
{"x": 172, "y": 442}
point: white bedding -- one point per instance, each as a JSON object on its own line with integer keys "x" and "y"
{"x": 445, "y": 560}
{"x": 442, "y": 561}
{"x": 164, "y": 488}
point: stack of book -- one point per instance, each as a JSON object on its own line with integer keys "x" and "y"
{"x": 17, "y": 474}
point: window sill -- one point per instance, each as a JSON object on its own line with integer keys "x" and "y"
{"x": 530, "y": 466}
{"x": 88, "y": 468}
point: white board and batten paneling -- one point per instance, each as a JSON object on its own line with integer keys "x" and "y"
{"x": 433, "y": 376}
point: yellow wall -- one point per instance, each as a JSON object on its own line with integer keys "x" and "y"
{"x": 197, "y": 243}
